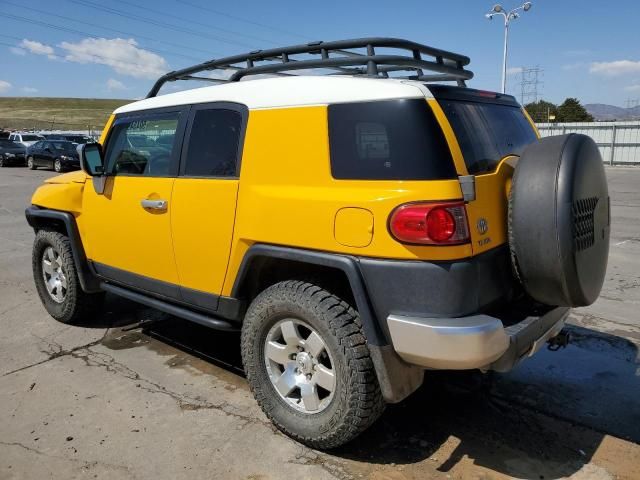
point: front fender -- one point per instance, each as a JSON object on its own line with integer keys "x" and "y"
{"x": 65, "y": 197}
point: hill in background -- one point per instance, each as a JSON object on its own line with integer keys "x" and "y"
{"x": 605, "y": 113}
{"x": 26, "y": 113}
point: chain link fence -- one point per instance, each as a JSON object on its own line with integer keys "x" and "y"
{"x": 619, "y": 142}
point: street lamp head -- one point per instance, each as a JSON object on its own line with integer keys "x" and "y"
{"x": 497, "y": 8}
{"x": 527, "y": 6}
{"x": 489, "y": 16}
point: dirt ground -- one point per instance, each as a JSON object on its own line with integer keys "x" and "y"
{"x": 100, "y": 401}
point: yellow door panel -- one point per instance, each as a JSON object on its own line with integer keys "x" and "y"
{"x": 118, "y": 231}
{"x": 202, "y": 217}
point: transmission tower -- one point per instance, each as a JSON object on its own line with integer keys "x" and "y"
{"x": 529, "y": 82}
{"x": 633, "y": 102}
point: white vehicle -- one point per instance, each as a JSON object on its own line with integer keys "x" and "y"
{"x": 26, "y": 139}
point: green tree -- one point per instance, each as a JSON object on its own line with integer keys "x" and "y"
{"x": 572, "y": 111}
{"x": 541, "y": 110}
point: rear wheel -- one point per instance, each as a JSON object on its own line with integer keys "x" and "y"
{"x": 56, "y": 279}
{"x": 30, "y": 163}
{"x": 308, "y": 365}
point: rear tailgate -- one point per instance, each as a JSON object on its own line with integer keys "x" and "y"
{"x": 491, "y": 130}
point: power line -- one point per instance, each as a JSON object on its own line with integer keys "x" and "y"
{"x": 240, "y": 19}
{"x": 114, "y": 30}
{"x": 74, "y": 31}
{"x": 195, "y": 22}
{"x": 157, "y": 23}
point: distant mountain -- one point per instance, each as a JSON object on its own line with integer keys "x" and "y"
{"x": 602, "y": 112}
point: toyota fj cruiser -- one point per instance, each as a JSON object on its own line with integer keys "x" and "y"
{"x": 357, "y": 226}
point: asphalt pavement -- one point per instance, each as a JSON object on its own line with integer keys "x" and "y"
{"x": 170, "y": 401}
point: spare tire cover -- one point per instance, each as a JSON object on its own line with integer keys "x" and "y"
{"x": 559, "y": 220}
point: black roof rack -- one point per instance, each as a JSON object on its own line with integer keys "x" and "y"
{"x": 339, "y": 58}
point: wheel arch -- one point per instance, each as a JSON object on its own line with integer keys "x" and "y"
{"x": 65, "y": 223}
{"x": 397, "y": 379}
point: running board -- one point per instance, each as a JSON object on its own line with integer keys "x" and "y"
{"x": 170, "y": 308}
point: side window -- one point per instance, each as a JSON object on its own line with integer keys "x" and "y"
{"x": 388, "y": 140}
{"x": 143, "y": 145}
{"x": 212, "y": 149}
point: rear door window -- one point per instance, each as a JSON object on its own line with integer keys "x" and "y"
{"x": 487, "y": 132}
{"x": 214, "y": 143}
{"x": 388, "y": 140}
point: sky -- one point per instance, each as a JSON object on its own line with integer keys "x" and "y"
{"x": 116, "y": 49}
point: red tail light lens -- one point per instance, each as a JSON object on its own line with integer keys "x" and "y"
{"x": 430, "y": 223}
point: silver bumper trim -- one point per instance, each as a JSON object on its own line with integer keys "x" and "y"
{"x": 476, "y": 341}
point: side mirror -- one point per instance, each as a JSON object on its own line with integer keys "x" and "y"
{"x": 91, "y": 160}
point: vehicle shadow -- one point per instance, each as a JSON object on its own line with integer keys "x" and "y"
{"x": 543, "y": 420}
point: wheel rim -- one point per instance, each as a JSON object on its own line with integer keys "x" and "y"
{"x": 300, "y": 366}
{"x": 30, "y": 162}
{"x": 57, "y": 166}
{"x": 1, "y": 162}
{"x": 55, "y": 279}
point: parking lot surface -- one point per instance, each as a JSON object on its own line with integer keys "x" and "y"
{"x": 170, "y": 401}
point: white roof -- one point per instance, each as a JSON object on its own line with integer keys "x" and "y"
{"x": 278, "y": 92}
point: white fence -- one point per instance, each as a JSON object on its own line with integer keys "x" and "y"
{"x": 619, "y": 142}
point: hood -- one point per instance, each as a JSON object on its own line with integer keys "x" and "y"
{"x": 72, "y": 177}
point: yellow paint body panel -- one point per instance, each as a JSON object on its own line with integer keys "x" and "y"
{"x": 66, "y": 197}
{"x": 288, "y": 197}
{"x": 353, "y": 227}
{"x": 202, "y": 216}
{"x": 118, "y": 232}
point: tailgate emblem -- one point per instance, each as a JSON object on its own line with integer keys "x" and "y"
{"x": 482, "y": 225}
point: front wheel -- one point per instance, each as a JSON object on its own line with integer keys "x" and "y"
{"x": 2, "y": 162}
{"x": 308, "y": 364}
{"x": 57, "y": 166}
{"x": 56, "y": 279}
{"x": 31, "y": 164}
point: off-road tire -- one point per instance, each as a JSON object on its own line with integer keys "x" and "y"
{"x": 77, "y": 305}
{"x": 31, "y": 164}
{"x": 357, "y": 400}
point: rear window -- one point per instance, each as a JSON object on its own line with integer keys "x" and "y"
{"x": 388, "y": 140}
{"x": 487, "y": 132}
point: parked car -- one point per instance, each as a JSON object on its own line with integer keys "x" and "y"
{"x": 12, "y": 153}
{"x": 357, "y": 229}
{"x": 78, "y": 139}
{"x": 26, "y": 139}
{"x": 60, "y": 155}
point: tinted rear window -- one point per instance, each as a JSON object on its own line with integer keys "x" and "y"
{"x": 487, "y": 132}
{"x": 388, "y": 140}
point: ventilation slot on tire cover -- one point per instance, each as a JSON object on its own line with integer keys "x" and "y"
{"x": 583, "y": 228}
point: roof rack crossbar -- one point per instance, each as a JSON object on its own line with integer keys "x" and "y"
{"x": 338, "y": 57}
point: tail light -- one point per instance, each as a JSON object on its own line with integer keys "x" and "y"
{"x": 430, "y": 223}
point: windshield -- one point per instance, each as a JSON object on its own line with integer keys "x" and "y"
{"x": 31, "y": 138}
{"x": 487, "y": 132}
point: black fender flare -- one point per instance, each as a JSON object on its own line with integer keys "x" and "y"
{"x": 397, "y": 379}
{"x": 39, "y": 218}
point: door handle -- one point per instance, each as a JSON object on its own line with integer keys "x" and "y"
{"x": 154, "y": 204}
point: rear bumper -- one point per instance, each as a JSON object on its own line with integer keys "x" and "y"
{"x": 476, "y": 341}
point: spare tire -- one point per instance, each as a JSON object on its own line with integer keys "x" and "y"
{"x": 559, "y": 220}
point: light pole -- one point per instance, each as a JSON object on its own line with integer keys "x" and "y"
{"x": 508, "y": 16}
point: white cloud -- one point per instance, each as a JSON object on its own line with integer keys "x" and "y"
{"x": 123, "y": 55}
{"x": 113, "y": 84}
{"x": 17, "y": 51}
{"x": 29, "y": 89}
{"x": 618, "y": 67}
{"x": 574, "y": 66}
{"x": 4, "y": 86}
{"x": 632, "y": 88}
{"x": 37, "y": 48}
{"x": 514, "y": 70}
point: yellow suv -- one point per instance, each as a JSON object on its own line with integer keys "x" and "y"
{"x": 357, "y": 226}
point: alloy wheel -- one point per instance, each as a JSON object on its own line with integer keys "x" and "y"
{"x": 54, "y": 276}
{"x": 300, "y": 366}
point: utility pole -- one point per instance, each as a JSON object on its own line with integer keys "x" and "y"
{"x": 508, "y": 16}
